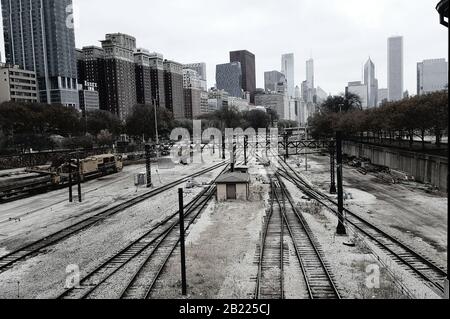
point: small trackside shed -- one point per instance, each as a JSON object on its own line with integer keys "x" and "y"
{"x": 233, "y": 186}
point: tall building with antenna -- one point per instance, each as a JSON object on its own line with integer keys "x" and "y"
{"x": 310, "y": 73}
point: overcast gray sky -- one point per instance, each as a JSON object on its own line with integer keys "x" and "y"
{"x": 339, "y": 34}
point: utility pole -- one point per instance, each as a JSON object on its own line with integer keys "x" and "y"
{"x": 233, "y": 156}
{"x": 306, "y": 151}
{"x": 341, "y": 225}
{"x": 182, "y": 246}
{"x": 148, "y": 165}
{"x": 79, "y": 178}
{"x": 70, "y": 181}
{"x": 286, "y": 146}
{"x": 332, "y": 169}
{"x": 156, "y": 126}
{"x": 245, "y": 149}
{"x": 223, "y": 147}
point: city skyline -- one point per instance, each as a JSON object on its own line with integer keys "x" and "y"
{"x": 338, "y": 52}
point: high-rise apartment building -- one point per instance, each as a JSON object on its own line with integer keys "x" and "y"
{"x": 120, "y": 74}
{"x": 173, "y": 87}
{"x": 17, "y": 85}
{"x": 372, "y": 83}
{"x": 90, "y": 77}
{"x": 271, "y": 80}
{"x": 192, "y": 88}
{"x": 229, "y": 78}
{"x": 157, "y": 80}
{"x": 191, "y": 79}
{"x": 39, "y": 37}
{"x": 217, "y": 99}
{"x": 248, "y": 67}
{"x": 91, "y": 71}
{"x": 200, "y": 68}
{"x": 143, "y": 77}
{"x": 395, "y": 68}
{"x": 432, "y": 76}
{"x": 287, "y": 68}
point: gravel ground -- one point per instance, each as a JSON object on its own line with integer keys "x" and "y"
{"x": 221, "y": 249}
{"x": 44, "y": 275}
{"x": 349, "y": 263}
{"x": 27, "y": 220}
{"x": 405, "y": 211}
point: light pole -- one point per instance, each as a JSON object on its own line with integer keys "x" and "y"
{"x": 443, "y": 7}
{"x": 156, "y": 123}
{"x": 341, "y": 224}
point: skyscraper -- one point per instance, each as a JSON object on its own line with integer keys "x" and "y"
{"x": 143, "y": 77}
{"x": 321, "y": 95}
{"x": 192, "y": 88}
{"x": 310, "y": 74}
{"x": 39, "y": 37}
{"x": 157, "y": 79}
{"x": 229, "y": 78}
{"x": 382, "y": 96}
{"x": 173, "y": 86}
{"x": 298, "y": 93}
{"x": 200, "y": 68}
{"x": 120, "y": 74}
{"x": 287, "y": 68}
{"x": 91, "y": 81}
{"x": 360, "y": 89}
{"x": 395, "y": 68}
{"x": 432, "y": 76}
{"x": 271, "y": 80}
{"x": 247, "y": 60}
{"x": 372, "y": 83}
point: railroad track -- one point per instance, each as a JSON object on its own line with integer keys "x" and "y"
{"x": 319, "y": 281}
{"x": 269, "y": 280}
{"x": 419, "y": 265}
{"x": 144, "y": 255}
{"x": 34, "y": 248}
{"x": 144, "y": 280}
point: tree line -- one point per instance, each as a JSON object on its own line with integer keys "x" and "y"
{"x": 25, "y": 126}
{"x": 418, "y": 116}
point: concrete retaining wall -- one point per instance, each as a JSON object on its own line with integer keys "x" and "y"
{"x": 425, "y": 168}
